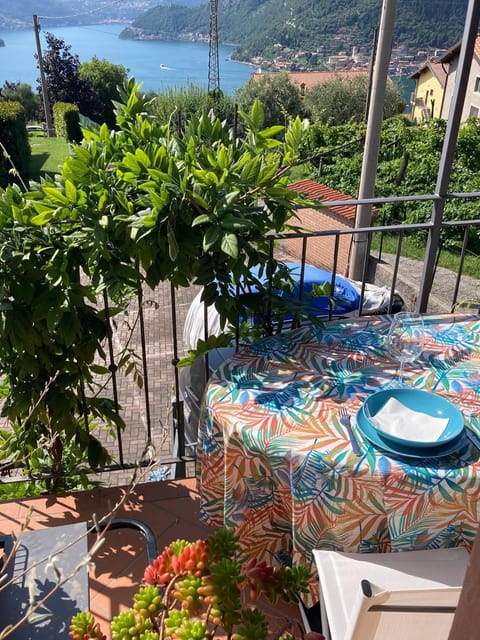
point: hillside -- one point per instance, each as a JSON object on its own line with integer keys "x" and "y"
{"x": 70, "y": 12}
{"x": 260, "y": 27}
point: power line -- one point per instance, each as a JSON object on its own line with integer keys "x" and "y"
{"x": 84, "y": 13}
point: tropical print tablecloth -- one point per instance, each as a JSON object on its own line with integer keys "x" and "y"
{"x": 275, "y": 463}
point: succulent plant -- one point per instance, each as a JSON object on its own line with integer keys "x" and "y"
{"x": 193, "y": 591}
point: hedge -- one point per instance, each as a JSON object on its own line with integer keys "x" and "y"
{"x": 14, "y": 138}
{"x": 66, "y": 119}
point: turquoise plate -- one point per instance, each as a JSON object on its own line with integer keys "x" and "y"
{"x": 378, "y": 440}
{"x": 425, "y": 402}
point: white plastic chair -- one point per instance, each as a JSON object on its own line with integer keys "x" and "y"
{"x": 389, "y": 596}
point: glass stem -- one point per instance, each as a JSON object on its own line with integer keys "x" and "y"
{"x": 400, "y": 373}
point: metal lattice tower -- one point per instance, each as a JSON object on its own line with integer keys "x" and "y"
{"x": 213, "y": 71}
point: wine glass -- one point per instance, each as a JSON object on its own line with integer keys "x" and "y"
{"x": 405, "y": 340}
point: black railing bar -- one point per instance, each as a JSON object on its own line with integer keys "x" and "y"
{"x": 459, "y": 194}
{"x": 302, "y": 270}
{"x": 303, "y": 261}
{"x": 166, "y": 461}
{"x": 380, "y": 229}
{"x": 460, "y": 267}
{"x": 382, "y": 200}
{"x": 397, "y": 260}
{"x": 269, "y": 318}
{"x": 334, "y": 275}
{"x": 178, "y": 406}
{"x": 364, "y": 272}
{"x": 144, "y": 360}
{"x": 113, "y": 370}
{"x": 461, "y": 223}
{"x": 331, "y": 232}
{"x": 467, "y": 195}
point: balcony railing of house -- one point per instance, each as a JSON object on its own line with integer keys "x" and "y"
{"x": 154, "y": 412}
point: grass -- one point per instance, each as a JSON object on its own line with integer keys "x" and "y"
{"x": 47, "y": 155}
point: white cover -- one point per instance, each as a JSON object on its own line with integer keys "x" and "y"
{"x": 340, "y": 576}
{"x": 395, "y": 419}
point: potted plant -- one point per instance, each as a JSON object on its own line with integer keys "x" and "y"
{"x": 201, "y": 590}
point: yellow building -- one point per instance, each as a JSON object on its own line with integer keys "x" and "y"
{"x": 429, "y": 91}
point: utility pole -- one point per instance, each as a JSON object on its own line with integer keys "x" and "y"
{"x": 46, "y": 101}
{"x": 372, "y": 140}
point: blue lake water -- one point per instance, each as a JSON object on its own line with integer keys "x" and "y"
{"x": 157, "y": 64}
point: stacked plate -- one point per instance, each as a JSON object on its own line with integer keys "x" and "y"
{"x": 411, "y": 423}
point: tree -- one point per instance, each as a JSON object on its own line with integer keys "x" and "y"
{"x": 280, "y": 98}
{"x": 23, "y": 93}
{"x": 63, "y": 80}
{"x": 184, "y": 102}
{"x": 343, "y": 100}
{"x": 104, "y": 78}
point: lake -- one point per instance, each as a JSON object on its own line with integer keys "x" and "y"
{"x": 157, "y": 64}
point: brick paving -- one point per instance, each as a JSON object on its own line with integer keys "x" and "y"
{"x": 159, "y": 338}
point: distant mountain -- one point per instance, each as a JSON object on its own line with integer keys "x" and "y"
{"x": 259, "y": 27}
{"x": 15, "y": 14}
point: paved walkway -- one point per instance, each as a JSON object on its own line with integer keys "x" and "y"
{"x": 408, "y": 283}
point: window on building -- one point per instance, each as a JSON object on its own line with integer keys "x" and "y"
{"x": 477, "y": 84}
{"x": 474, "y": 111}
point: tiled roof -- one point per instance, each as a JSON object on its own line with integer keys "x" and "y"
{"x": 314, "y": 190}
{"x": 437, "y": 69}
{"x": 310, "y": 78}
{"x": 454, "y": 51}
{"x": 476, "y": 49}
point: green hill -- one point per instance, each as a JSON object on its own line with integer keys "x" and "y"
{"x": 72, "y": 12}
{"x": 326, "y": 26}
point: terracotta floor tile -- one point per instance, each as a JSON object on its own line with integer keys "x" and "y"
{"x": 170, "y": 509}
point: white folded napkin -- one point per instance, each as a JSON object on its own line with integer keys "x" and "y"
{"x": 395, "y": 419}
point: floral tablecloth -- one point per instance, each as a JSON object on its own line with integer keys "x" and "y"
{"x": 275, "y": 463}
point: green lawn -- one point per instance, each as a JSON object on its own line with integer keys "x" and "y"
{"x": 47, "y": 155}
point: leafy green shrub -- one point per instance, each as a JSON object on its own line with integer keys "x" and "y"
{"x": 14, "y": 138}
{"x": 66, "y": 118}
{"x": 148, "y": 204}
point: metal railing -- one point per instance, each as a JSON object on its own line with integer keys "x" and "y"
{"x": 154, "y": 411}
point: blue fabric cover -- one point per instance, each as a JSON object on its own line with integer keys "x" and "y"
{"x": 346, "y": 296}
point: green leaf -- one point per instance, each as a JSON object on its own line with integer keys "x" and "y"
{"x": 55, "y": 195}
{"x": 229, "y": 245}
{"x": 205, "y": 218}
{"x": 172, "y": 242}
{"x": 257, "y": 115}
{"x": 142, "y": 158}
{"x": 211, "y": 237}
{"x": 71, "y": 191}
{"x": 251, "y": 169}
{"x": 272, "y": 131}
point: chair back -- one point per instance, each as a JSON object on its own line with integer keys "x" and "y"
{"x": 415, "y": 614}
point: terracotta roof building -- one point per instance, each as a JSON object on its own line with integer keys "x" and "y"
{"x": 321, "y": 250}
{"x": 430, "y": 81}
{"x": 305, "y": 80}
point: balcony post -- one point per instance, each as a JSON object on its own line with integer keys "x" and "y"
{"x": 372, "y": 139}
{"x": 448, "y": 151}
